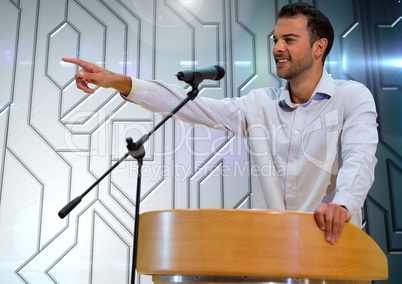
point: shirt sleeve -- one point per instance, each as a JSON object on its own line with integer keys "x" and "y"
{"x": 157, "y": 96}
{"x": 359, "y": 140}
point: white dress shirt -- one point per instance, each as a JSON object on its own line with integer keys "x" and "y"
{"x": 319, "y": 151}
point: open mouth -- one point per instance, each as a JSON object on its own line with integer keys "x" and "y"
{"x": 281, "y": 61}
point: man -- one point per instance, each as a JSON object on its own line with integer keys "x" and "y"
{"x": 320, "y": 133}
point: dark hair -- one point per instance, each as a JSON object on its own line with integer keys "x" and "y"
{"x": 318, "y": 24}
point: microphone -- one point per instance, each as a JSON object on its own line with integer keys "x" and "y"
{"x": 198, "y": 75}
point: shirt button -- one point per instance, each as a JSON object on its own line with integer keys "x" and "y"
{"x": 297, "y": 132}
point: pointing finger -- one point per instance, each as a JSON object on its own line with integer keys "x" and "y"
{"x": 82, "y": 63}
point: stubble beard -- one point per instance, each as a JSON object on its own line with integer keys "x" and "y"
{"x": 297, "y": 67}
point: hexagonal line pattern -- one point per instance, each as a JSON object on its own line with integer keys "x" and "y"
{"x": 216, "y": 167}
{"x": 388, "y": 52}
{"x": 96, "y": 214}
{"x": 229, "y": 138}
{"x": 344, "y": 38}
{"x": 22, "y": 198}
{"x": 61, "y": 31}
{"x": 252, "y": 35}
{"x": 156, "y": 183}
{"x": 105, "y": 28}
{"x": 374, "y": 210}
{"x": 388, "y": 45}
{"x": 203, "y": 23}
{"x": 394, "y": 173}
{"x": 9, "y": 47}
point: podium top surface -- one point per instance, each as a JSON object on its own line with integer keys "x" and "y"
{"x": 255, "y": 243}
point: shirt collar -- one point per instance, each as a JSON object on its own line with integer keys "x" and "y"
{"x": 324, "y": 89}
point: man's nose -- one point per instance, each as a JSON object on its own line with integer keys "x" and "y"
{"x": 278, "y": 47}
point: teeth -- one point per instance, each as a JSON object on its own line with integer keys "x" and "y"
{"x": 282, "y": 60}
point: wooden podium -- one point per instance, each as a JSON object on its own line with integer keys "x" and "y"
{"x": 252, "y": 246}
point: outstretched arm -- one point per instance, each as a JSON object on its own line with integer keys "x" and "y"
{"x": 159, "y": 97}
{"x": 94, "y": 74}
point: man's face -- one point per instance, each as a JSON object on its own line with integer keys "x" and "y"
{"x": 292, "y": 51}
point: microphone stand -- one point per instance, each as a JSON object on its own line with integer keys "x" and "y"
{"x": 137, "y": 151}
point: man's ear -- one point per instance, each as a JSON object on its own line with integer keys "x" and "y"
{"x": 319, "y": 47}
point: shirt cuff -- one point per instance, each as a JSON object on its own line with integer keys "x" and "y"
{"x": 347, "y": 200}
{"x": 139, "y": 91}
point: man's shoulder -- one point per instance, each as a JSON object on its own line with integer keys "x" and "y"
{"x": 350, "y": 85}
{"x": 264, "y": 97}
{"x": 352, "y": 95}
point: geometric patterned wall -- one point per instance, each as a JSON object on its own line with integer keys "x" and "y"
{"x": 56, "y": 141}
{"x": 383, "y": 207}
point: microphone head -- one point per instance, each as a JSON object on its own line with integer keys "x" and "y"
{"x": 180, "y": 76}
{"x": 221, "y": 72}
{"x": 198, "y": 75}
